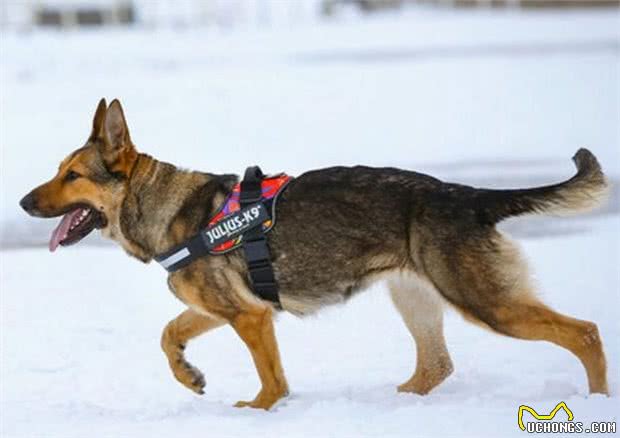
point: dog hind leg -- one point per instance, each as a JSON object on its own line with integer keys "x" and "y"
{"x": 535, "y": 321}
{"x": 175, "y": 336}
{"x": 488, "y": 281}
{"x": 421, "y": 308}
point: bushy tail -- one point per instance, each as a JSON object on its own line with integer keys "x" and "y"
{"x": 585, "y": 191}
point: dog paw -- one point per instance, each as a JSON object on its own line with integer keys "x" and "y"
{"x": 264, "y": 400}
{"x": 425, "y": 379}
{"x": 255, "y": 404}
{"x": 414, "y": 388}
{"x": 190, "y": 377}
{"x": 420, "y": 384}
{"x": 243, "y": 404}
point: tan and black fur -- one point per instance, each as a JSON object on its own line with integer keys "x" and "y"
{"x": 338, "y": 230}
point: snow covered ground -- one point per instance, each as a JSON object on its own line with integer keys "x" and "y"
{"x": 490, "y": 98}
{"x": 81, "y": 357}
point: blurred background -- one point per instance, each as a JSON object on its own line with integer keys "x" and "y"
{"x": 490, "y": 92}
{"x": 236, "y": 13}
{"x": 495, "y": 93}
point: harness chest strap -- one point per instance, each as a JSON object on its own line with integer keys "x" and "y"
{"x": 255, "y": 247}
{"x": 243, "y": 221}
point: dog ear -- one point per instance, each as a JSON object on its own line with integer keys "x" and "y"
{"x": 98, "y": 120}
{"x": 116, "y": 130}
{"x": 117, "y": 150}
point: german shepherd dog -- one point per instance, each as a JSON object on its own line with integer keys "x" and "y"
{"x": 338, "y": 230}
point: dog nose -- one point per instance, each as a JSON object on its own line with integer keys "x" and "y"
{"x": 28, "y": 202}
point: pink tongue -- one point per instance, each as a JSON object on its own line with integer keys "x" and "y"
{"x": 62, "y": 229}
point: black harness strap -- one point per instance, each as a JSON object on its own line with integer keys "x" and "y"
{"x": 252, "y": 214}
{"x": 255, "y": 246}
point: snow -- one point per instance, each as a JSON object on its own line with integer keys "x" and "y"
{"x": 81, "y": 357}
{"x": 415, "y": 91}
{"x": 492, "y": 98}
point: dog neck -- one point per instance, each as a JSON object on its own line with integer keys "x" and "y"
{"x": 165, "y": 205}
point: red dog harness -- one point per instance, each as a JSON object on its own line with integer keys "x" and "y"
{"x": 248, "y": 213}
{"x": 271, "y": 187}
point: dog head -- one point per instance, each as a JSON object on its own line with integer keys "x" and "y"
{"x": 91, "y": 182}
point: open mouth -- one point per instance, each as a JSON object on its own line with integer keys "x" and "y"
{"x": 75, "y": 225}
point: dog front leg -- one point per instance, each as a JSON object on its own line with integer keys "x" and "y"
{"x": 184, "y": 327}
{"x": 255, "y": 328}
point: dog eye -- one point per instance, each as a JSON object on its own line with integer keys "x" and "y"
{"x": 72, "y": 176}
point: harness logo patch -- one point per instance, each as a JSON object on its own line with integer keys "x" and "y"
{"x": 238, "y": 222}
{"x": 546, "y": 423}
